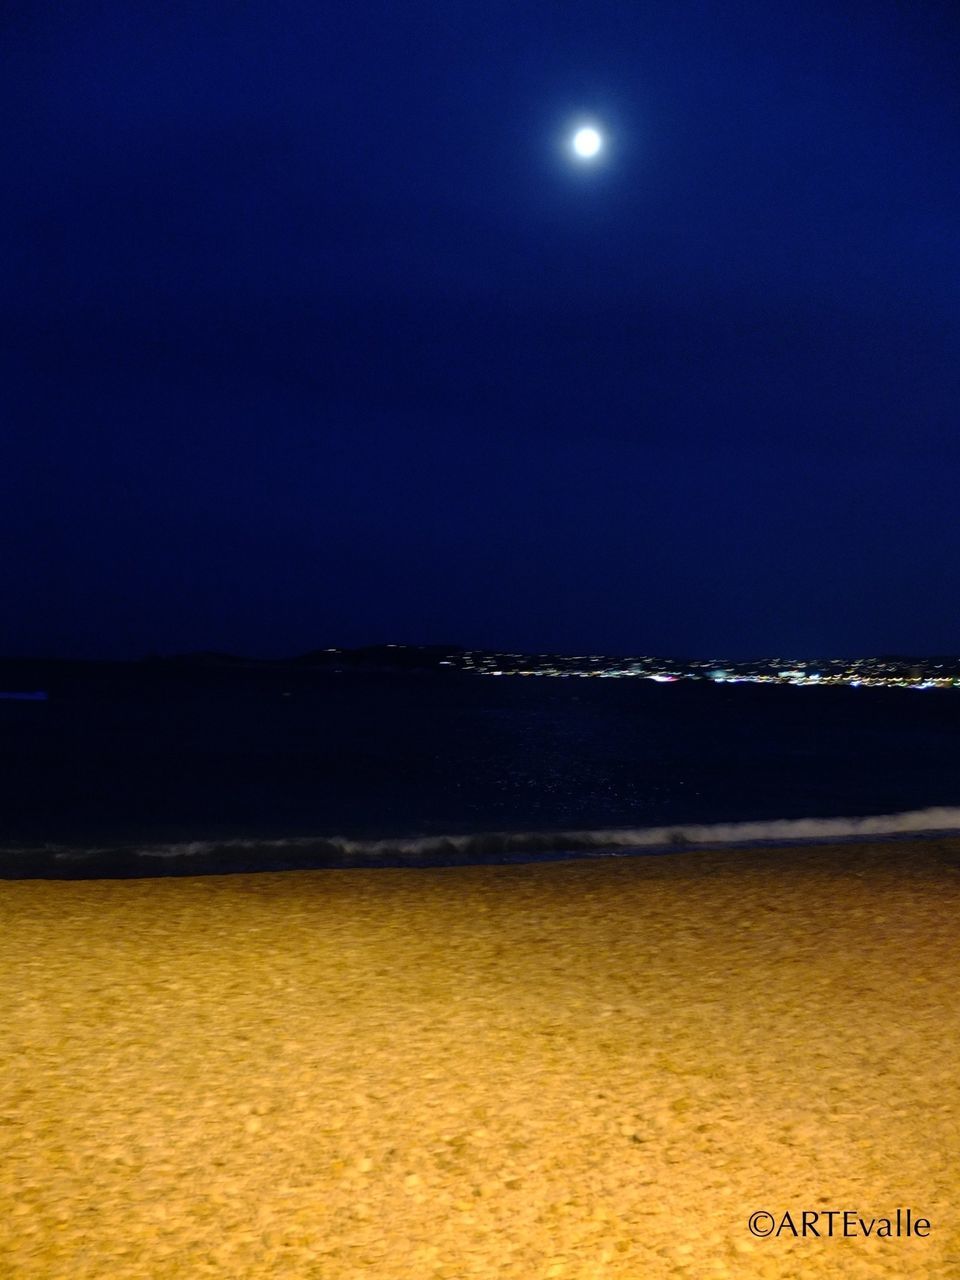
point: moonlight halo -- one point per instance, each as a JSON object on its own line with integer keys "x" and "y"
{"x": 586, "y": 142}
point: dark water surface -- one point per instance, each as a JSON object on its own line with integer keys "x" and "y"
{"x": 133, "y": 754}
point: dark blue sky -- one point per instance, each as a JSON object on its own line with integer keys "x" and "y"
{"x": 314, "y": 334}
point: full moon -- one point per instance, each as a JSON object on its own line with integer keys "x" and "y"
{"x": 587, "y": 142}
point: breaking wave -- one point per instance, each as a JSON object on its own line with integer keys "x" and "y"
{"x": 302, "y": 853}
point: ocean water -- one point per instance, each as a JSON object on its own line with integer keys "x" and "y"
{"x": 143, "y": 770}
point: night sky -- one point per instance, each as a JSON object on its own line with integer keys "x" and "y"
{"x": 316, "y": 333}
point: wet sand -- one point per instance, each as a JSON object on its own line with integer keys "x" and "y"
{"x": 584, "y": 1069}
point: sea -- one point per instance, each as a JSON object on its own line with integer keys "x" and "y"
{"x": 150, "y": 769}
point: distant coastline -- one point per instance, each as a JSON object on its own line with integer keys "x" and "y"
{"x": 881, "y": 671}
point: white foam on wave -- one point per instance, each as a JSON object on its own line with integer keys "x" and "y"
{"x": 479, "y": 847}
{"x": 915, "y": 822}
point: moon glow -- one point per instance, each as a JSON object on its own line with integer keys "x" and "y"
{"x": 586, "y": 142}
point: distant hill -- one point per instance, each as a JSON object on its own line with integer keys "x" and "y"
{"x": 382, "y": 657}
{"x": 201, "y": 658}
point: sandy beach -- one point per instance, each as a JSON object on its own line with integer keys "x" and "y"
{"x": 583, "y": 1069}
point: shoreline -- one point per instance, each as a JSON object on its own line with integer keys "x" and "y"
{"x": 587, "y": 1070}
{"x": 146, "y": 859}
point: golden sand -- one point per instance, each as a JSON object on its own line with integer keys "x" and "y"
{"x": 590, "y": 1069}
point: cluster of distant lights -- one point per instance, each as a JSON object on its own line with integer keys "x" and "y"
{"x": 719, "y": 676}
{"x": 813, "y": 678}
{"x": 777, "y": 672}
